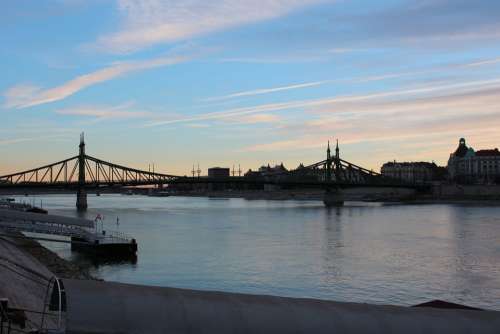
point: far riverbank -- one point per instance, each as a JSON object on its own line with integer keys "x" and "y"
{"x": 440, "y": 194}
{"x": 318, "y": 196}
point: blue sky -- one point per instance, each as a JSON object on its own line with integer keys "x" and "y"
{"x": 246, "y": 82}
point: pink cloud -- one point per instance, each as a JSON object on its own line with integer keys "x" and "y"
{"x": 24, "y": 96}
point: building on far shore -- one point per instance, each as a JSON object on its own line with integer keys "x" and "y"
{"x": 468, "y": 166}
{"x": 267, "y": 171}
{"x": 413, "y": 172}
{"x": 278, "y": 172}
{"x": 218, "y": 172}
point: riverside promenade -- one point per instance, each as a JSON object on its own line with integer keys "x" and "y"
{"x": 108, "y": 307}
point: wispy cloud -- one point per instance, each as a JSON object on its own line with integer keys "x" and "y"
{"x": 419, "y": 23}
{"x": 19, "y": 95}
{"x": 429, "y": 90}
{"x": 148, "y": 22}
{"x": 363, "y": 79}
{"x": 304, "y": 142}
{"x": 256, "y": 118}
{"x": 198, "y": 125}
{"x": 484, "y": 62}
{"x": 266, "y": 91}
{"x": 347, "y": 50}
{"x": 123, "y": 111}
{"x": 18, "y": 140}
{"x": 23, "y": 95}
{"x": 396, "y": 124}
{"x": 277, "y": 59}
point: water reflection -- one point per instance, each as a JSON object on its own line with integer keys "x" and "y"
{"x": 333, "y": 244}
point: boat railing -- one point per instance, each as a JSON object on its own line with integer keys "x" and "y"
{"x": 111, "y": 236}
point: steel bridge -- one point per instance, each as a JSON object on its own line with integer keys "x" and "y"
{"x": 83, "y": 169}
{"x": 82, "y": 172}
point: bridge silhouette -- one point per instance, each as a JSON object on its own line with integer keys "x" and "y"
{"x": 83, "y": 172}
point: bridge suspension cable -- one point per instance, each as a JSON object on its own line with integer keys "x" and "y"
{"x": 59, "y": 172}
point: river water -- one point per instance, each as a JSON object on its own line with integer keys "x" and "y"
{"x": 373, "y": 253}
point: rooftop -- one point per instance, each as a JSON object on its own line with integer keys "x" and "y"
{"x": 487, "y": 153}
{"x": 417, "y": 163}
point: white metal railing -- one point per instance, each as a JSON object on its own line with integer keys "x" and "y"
{"x": 15, "y": 215}
{"x": 45, "y": 228}
{"x": 110, "y": 236}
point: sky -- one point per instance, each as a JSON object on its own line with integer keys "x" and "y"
{"x": 246, "y": 82}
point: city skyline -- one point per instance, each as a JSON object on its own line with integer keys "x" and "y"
{"x": 244, "y": 83}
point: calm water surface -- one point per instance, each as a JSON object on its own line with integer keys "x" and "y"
{"x": 396, "y": 254}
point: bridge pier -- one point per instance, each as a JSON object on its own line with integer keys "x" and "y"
{"x": 81, "y": 194}
{"x": 333, "y": 197}
{"x": 81, "y": 199}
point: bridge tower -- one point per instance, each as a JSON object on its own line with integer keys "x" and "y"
{"x": 338, "y": 164}
{"x": 333, "y": 195}
{"x": 81, "y": 194}
{"x": 328, "y": 175}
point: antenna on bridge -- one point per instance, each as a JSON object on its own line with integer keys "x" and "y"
{"x": 193, "y": 171}
{"x": 82, "y": 145}
{"x": 239, "y": 170}
{"x": 337, "y": 150}
{"x": 233, "y": 171}
{"x": 199, "y": 170}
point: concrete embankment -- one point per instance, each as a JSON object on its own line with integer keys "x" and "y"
{"x": 466, "y": 192}
{"x": 50, "y": 260}
{"x": 24, "y": 279}
{"x": 26, "y": 268}
{"x": 107, "y": 307}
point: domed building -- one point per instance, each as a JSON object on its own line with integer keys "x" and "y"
{"x": 468, "y": 166}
